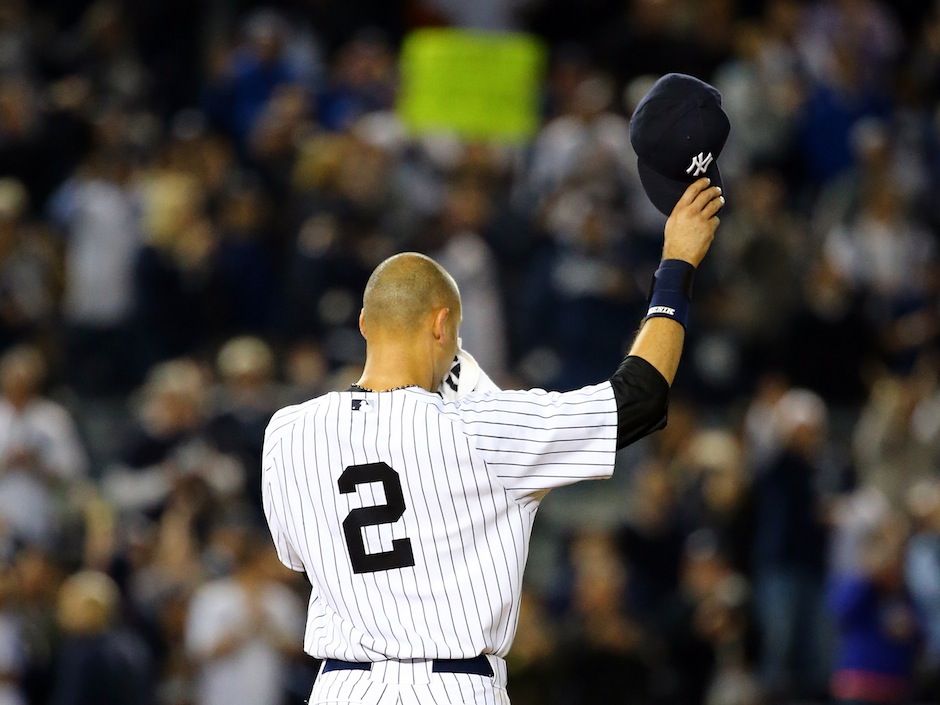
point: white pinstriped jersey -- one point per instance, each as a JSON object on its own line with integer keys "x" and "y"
{"x": 411, "y": 515}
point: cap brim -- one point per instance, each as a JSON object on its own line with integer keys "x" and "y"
{"x": 664, "y": 192}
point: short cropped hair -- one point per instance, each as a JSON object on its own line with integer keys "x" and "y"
{"x": 405, "y": 288}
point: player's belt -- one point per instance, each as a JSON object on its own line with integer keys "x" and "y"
{"x": 477, "y": 666}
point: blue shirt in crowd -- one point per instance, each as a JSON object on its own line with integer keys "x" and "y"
{"x": 879, "y": 631}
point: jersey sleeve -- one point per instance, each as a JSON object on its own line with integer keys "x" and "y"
{"x": 273, "y": 469}
{"x": 534, "y": 440}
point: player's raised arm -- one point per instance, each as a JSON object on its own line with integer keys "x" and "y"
{"x": 641, "y": 383}
{"x": 689, "y": 233}
{"x": 678, "y": 131}
{"x": 535, "y": 441}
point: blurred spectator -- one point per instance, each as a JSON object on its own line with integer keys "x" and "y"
{"x": 173, "y": 269}
{"x": 40, "y": 449}
{"x": 43, "y": 134}
{"x": 761, "y": 435}
{"x": 28, "y": 269}
{"x": 650, "y": 34}
{"x": 652, "y": 540}
{"x": 36, "y": 577}
{"x": 762, "y": 86}
{"x": 94, "y": 209}
{"x": 466, "y": 255}
{"x": 761, "y": 252}
{"x": 15, "y": 37}
{"x": 831, "y": 339}
{"x": 586, "y": 138}
{"x": 602, "y": 638}
{"x": 361, "y": 81}
{"x": 305, "y": 373}
{"x": 879, "y": 630}
{"x": 240, "y": 267}
{"x": 99, "y": 663}
{"x": 166, "y": 567}
{"x": 891, "y": 258}
{"x": 848, "y": 46}
{"x": 790, "y": 549}
{"x": 325, "y": 273}
{"x": 706, "y": 629}
{"x": 827, "y": 121}
{"x": 881, "y": 250}
{"x": 718, "y": 495}
{"x": 922, "y": 569}
{"x": 12, "y": 644}
{"x": 578, "y": 282}
{"x": 246, "y": 80}
{"x": 346, "y": 202}
{"x": 169, "y": 444}
{"x": 879, "y": 159}
{"x": 896, "y": 442}
{"x": 245, "y": 403}
{"x": 106, "y": 52}
{"x": 866, "y": 31}
{"x": 855, "y": 517}
{"x": 535, "y": 661}
{"x": 241, "y": 629}
{"x": 285, "y": 122}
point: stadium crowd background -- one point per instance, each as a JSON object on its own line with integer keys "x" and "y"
{"x": 192, "y": 196}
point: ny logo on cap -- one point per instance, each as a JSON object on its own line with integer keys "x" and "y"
{"x": 699, "y": 164}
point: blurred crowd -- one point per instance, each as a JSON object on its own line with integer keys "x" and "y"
{"x": 192, "y": 196}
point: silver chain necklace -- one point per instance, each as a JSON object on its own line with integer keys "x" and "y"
{"x": 360, "y": 388}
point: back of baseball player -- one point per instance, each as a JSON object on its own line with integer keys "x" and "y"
{"x": 408, "y": 499}
{"x": 411, "y": 517}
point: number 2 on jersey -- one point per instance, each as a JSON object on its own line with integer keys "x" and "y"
{"x": 401, "y": 555}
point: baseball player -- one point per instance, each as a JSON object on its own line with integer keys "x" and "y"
{"x": 410, "y": 513}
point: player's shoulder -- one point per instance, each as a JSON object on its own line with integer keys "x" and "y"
{"x": 536, "y": 394}
{"x": 535, "y": 399}
{"x": 289, "y": 415}
{"x": 487, "y": 401}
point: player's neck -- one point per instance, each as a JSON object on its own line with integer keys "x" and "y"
{"x": 390, "y": 367}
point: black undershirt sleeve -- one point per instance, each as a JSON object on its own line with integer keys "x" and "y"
{"x": 642, "y": 396}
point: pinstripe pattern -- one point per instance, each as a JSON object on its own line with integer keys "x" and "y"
{"x": 472, "y": 474}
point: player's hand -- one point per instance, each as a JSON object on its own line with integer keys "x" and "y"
{"x": 691, "y": 227}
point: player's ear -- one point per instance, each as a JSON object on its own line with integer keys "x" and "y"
{"x": 439, "y": 324}
{"x": 362, "y": 323}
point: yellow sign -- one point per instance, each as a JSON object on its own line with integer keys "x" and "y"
{"x": 477, "y": 85}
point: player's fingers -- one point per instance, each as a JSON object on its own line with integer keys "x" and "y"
{"x": 705, "y": 197}
{"x": 713, "y": 206}
{"x": 714, "y": 222}
{"x": 694, "y": 189}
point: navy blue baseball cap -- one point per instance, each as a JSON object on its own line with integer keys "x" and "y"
{"x": 678, "y": 130}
